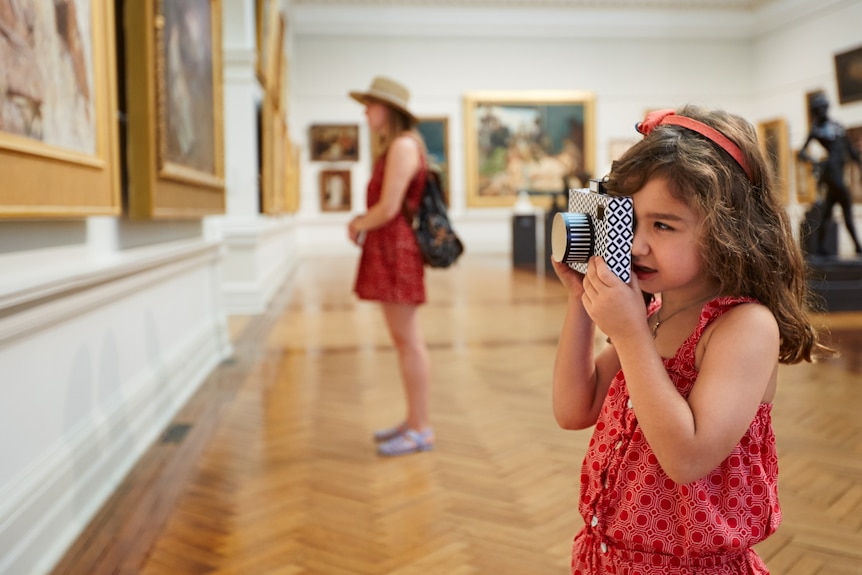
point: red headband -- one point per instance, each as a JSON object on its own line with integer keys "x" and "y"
{"x": 659, "y": 117}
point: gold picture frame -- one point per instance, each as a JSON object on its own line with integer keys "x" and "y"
{"x": 265, "y": 23}
{"x": 806, "y": 183}
{"x": 292, "y": 177}
{"x": 774, "y": 140}
{"x": 334, "y": 142}
{"x": 273, "y": 165}
{"x": 535, "y": 141}
{"x": 175, "y": 109}
{"x": 335, "y": 192}
{"x": 59, "y": 143}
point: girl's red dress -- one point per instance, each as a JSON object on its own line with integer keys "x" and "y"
{"x": 639, "y": 522}
{"x": 391, "y": 268}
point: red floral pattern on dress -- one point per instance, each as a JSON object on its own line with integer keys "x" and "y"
{"x": 639, "y": 522}
{"x": 391, "y": 268}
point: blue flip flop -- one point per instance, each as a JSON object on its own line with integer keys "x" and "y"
{"x": 411, "y": 441}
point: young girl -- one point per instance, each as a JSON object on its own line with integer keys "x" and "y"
{"x": 391, "y": 268}
{"x": 680, "y": 475}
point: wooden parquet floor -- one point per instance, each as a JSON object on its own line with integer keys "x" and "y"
{"x": 270, "y": 468}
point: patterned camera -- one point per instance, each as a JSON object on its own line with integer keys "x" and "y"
{"x": 596, "y": 224}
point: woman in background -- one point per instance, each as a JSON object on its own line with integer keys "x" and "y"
{"x": 391, "y": 268}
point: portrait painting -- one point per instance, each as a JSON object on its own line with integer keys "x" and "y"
{"x": 435, "y": 133}
{"x": 848, "y": 75}
{"x": 335, "y": 190}
{"x": 46, "y": 58}
{"x": 773, "y": 138}
{"x": 334, "y": 143}
{"x": 526, "y": 141}
{"x": 186, "y": 90}
{"x": 174, "y": 108}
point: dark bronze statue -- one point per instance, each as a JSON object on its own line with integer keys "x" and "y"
{"x": 830, "y": 171}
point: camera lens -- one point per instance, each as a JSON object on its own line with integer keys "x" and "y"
{"x": 572, "y": 237}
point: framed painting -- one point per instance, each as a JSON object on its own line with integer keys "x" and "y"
{"x": 175, "y": 108}
{"x": 292, "y": 177}
{"x": 806, "y": 183}
{"x": 335, "y": 190}
{"x": 848, "y": 75}
{"x": 265, "y": 14}
{"x": 59, "y": 144}
{"x": 774, "y": 141}
{"x": 272, "y": 65}
{"x": 273, "y": 140}
{"x": 435, "y": 133}
{"x": 334, "y": 143}
{"x": 540, "y": 141}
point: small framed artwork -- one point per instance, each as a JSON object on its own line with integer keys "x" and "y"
{"x": 435, "y": 132}
{"x": 335, "y": 190}
{"x": 534, "y": 141}
{"x": 773, "y": 138}
{"x": 334, "y": 143}
{"x": 848, "y": 75}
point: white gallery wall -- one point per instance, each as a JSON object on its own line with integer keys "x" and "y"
{"x": 758, "y": 64}
{"x": 107, "y": 326}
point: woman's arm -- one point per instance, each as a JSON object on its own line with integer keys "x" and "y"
{"x": 402, "y": 163}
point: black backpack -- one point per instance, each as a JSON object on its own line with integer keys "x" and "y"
{"x": 439, "y": 244}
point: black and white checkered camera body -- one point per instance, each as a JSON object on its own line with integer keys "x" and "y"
{"x": 597, "y": 224}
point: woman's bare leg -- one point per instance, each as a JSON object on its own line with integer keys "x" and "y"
{"x": 403, "y": 323}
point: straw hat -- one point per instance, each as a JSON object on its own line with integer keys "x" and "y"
{"x": 387, "y": 91}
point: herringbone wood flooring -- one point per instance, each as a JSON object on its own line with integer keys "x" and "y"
{"x": 276, "y": 474}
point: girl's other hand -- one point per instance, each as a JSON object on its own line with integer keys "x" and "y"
{"x": 572, "y": 280}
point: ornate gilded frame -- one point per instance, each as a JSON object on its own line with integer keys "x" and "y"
{"x": 44, "y": 179}
{"x": 507, "y": 162}
{"x": 161, "y": 185}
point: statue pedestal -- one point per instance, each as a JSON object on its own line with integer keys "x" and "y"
{"x": 838, "y": 281}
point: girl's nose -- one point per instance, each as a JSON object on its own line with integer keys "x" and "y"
{"x": 640, "y": 245}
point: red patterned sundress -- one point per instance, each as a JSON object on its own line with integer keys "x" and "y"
{"x": 639, "y": 522}
{"x": 391, "y": 268}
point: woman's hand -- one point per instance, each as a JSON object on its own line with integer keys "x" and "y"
{"x": 354, "y": 233}
{"x": 613, "y": 305}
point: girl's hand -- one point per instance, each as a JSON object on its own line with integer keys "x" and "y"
{"x": 614, "y": 306}
{"x": 571, "y": 280}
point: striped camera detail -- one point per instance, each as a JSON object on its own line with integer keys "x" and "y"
{"x": 579, "y": 237}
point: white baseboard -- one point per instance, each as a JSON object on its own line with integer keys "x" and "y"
{"x": 55, "y": 500}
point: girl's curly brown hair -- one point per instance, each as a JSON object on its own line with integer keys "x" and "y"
{"x": 746, "y": 241}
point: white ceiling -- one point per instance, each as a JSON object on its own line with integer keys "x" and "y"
{"x": 595, "y": 4}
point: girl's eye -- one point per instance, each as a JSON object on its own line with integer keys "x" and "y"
{"x": 662, "y": 226}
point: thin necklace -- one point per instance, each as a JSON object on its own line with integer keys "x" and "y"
{"x": 659, "y": 321}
